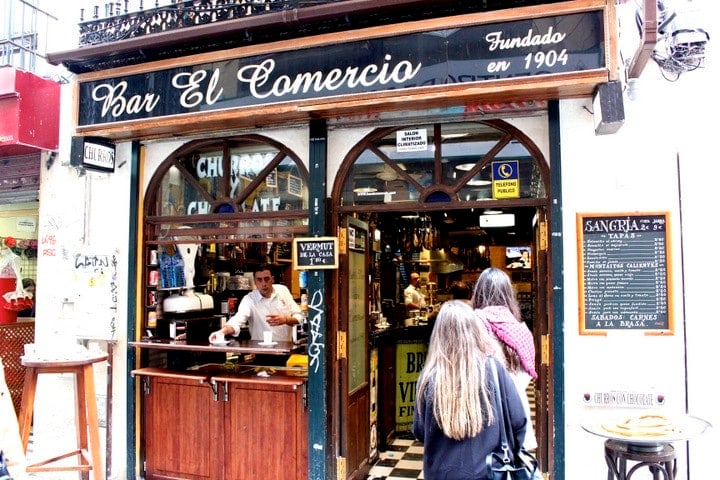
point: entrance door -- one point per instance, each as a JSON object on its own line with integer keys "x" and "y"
{"x": 355, "y": 419}
{"x": 485, "y": 184}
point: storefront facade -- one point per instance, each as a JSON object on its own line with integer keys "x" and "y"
{"x": 322, "y": 132}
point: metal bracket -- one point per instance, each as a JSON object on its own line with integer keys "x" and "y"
{"x": 341, "y": 345}
{"x": 214, "y": 388}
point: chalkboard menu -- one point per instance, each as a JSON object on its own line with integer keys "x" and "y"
{"x": 623, "y": 274}
{"x": 315, "y": 253}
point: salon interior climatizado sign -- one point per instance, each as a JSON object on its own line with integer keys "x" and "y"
{"x": 472, "y": 54}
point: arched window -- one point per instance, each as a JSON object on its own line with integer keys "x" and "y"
{"x": 242, "y": 189}
{"x": 448, "y": 163}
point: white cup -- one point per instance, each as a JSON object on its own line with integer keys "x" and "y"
{"x": 267, "y": 336}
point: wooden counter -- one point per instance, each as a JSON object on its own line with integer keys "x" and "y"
{"x": 222, "y": 421}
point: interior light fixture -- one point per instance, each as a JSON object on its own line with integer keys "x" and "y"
{"x": 501, "y": 220}
{"x": 477, "y": 182}
{"x": 465, "y": 167}
{"x": 450, "y": 136}
{"x": 365, "y": 189}
{"x": 365, "y": 186}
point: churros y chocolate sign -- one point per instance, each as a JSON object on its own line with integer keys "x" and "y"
{"x": 624, "y": 399}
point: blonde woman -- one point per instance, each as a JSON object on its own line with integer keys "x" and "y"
{"x": 455, "y": 403}
{"x": 497, "y": 308}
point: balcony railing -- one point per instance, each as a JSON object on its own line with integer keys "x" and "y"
{"x": 24, "y": 35}
{"x": 120, "y": 24}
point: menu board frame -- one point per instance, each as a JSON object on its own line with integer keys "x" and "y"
{"x": 620, "y": 231}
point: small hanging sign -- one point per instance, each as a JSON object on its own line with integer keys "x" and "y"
{"x": 315, "y": 253}
{"x": 92, "y": 152}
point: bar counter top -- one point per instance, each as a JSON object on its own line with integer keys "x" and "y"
{"x": 400, "y": 331}
{"x": 233, "y": 346}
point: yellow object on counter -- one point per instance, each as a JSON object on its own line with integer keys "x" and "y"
{"x": 297, "y": 360}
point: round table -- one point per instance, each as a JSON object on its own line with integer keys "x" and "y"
{"x": 655, "y": 453}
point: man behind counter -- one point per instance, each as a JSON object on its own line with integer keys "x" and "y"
{"x": 414, "y": 298}
{"x": 269, "y": 307}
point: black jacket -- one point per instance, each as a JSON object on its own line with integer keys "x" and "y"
{"x": 448, "y": 459}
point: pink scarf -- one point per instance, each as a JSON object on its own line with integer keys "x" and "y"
{"x": 515, "y": 334}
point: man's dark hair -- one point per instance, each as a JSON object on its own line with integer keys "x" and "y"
{"x": 262, "y": 267}
{"x": 460, "y": 290}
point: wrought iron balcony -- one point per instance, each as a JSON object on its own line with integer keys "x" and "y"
{"x": 121, "y": 25}
{"x": 185, "y": 27}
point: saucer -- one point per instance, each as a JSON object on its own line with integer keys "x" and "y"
{"x": 220, "y": 343}
{"x": 267, "y": 344}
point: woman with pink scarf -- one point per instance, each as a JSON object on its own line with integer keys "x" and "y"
{"x": 496, "y": 306}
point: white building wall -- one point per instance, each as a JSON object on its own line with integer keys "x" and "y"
{"x": 83, "y": 276}
{"x": 661, "y": 160}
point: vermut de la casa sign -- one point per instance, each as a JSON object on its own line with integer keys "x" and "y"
{"x": 473, "y": 54}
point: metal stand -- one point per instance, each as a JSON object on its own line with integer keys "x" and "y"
{"x": 658, "y": 458}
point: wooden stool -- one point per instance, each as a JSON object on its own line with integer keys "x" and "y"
{"x": 658, "y": 458}
{"x": 85, "y": 413}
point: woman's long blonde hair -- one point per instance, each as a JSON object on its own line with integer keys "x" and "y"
{"x": 454, "y": 372}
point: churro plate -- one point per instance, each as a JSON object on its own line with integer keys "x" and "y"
{"x": 649, "y": 428}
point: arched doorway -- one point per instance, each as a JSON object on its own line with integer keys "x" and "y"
{"x": 447, "y": 200}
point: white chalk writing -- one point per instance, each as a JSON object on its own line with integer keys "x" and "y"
{"x": 316, "y": 346}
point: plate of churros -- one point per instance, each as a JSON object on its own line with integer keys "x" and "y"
{"x": 649, "y": 428}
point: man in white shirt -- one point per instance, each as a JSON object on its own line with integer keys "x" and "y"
{"x": 414, "y": 298}
{"x": 269, "y": 307}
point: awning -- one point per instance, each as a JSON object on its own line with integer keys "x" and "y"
{"x": 29, "y": 113}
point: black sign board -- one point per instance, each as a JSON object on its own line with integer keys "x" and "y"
{"x": 92, "y": 152}
{"x": 469, "y": 55}
{"x": 311, "y": 253}
{"x": 624, "y": 282}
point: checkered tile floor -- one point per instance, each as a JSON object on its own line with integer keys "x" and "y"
{"x": 401, "y": 461}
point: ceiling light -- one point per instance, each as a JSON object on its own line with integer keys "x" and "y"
{"x": 476, "y": 182}
{"x": 387, "y": 176}
{"x": 502, "y": 220}
{"x": 365, "y": 186}
{"x": 365, "y": 189}
{"x": 448, "y": 136}
{"x": 464, "y": 166}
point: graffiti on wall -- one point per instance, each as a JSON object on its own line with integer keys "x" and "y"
{"x": 316, "y": 344}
